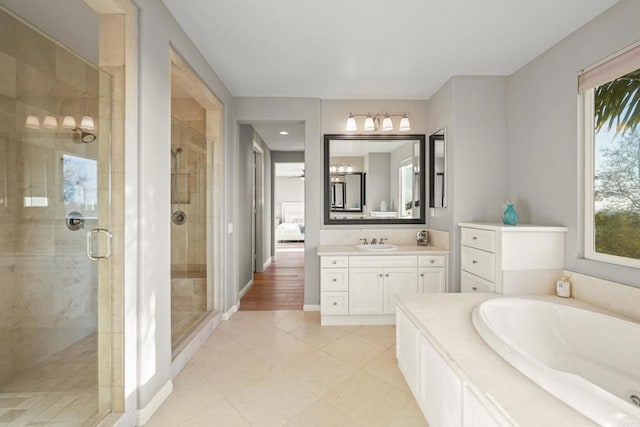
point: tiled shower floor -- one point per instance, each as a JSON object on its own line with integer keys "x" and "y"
{"x": 59, "y": 391}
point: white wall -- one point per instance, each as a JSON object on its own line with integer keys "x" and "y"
{"x": 545, "y": 156}
{"x": 157, "y": 32}
{"x": 286, "y": 189}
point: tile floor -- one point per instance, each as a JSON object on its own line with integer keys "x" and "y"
{"x": 59, "y": 391}
{"x": 281, "y": 368}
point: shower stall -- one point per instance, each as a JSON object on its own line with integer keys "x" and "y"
{"x": 188, "y": 229}
{"x": 55, "y": 162}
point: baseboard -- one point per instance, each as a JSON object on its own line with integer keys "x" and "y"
{"x": 145, "y": 414}
{"x": 311, "y": 307}
{"x": 227, "y": 314}
{"x": 245, "y": 289}
{"x": 266, "y": 264}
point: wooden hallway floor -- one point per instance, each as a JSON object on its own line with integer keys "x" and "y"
{"x": 281, "y": 285}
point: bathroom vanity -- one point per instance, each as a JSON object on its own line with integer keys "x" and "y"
{"x": 360, "y": 286}
{"x": 490, "y": 252}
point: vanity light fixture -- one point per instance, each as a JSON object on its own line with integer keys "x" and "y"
{"x": 349, "y": 169}
{"x": 371, "y": 122}
{"x": 284, "y": 132}
{"x": 68, "y": 122}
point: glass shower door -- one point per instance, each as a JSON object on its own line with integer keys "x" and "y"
{"x": 54, "y": 215}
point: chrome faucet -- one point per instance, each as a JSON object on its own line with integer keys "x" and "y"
{"x": 365, "y": 241}
{"x": 374, "y": 241}
{"x": 382, "y": 239}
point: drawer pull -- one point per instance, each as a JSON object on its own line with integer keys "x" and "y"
{"x": 474, "y": 238}
{"x": 386, "y": 275}
{"x": 381, "y": 275}
{"x": 433, "y": 261}
{"x": 334, "y": 280}
{"x": 334, "y": 262}
{"x": 474, "y": 288}
{"x": 336, "y": 303}
{"x": 474, "y": 262}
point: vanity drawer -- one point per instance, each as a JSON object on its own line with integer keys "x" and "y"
{"x": 383, "y": 261}
{"x": 334, "y": 279}
{"x": 478, "y": 262}
{"x": 334, "y": 303}
{"x": 479, "y": 239}
{"x": 431, "y": 261}
{"x": 470, "y": 283}
{"x": 334, "y": 261}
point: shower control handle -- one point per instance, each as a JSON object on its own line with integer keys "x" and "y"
{"x": 90, "y": 234}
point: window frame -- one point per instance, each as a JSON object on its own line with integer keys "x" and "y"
{"x": 589, "y": 189}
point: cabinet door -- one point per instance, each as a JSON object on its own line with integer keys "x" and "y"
{"x": 398, "y": 281}
{"x": 407, "y": 349}
{"x": 475, "y": 415}
{"x": 439, "y": 389}
{"x": 431, "y": 280}
{"x": 365, "y": 290}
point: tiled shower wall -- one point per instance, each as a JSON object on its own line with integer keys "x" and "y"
{"x": 48, "y": 286}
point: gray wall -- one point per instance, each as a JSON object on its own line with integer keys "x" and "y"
{"x": 246, "y": 137}
{"x": 474, "y": 112}
{"x": 545, "y": 155}
{"x": 378, "y": 187}
{"x": 158, "y": 30}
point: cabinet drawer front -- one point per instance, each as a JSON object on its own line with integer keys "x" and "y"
{"x": 334, "y": 261}
{"x": 334, "y": 279}
{"x": 431, "y": 261}
{"x": 471, "y": 283}
{"x": 334, "y": 303}
{"x": 383, "y": 261}
{"x": 480, "y": 263}
{"x": 480, "y": 239}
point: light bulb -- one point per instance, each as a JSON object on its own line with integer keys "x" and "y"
{"x": 404, "y": 123}
{"x": 68, "y": 122}
{"x": 351, "y": 123}
{"x": 341, "y": 168}
{"x": 349, "y": 168}
{"x": 369, "y": 124}
{"x": 50, "y": 122}
{"x": 87, "y": 123}
{"x": 32, "y": 122}
{"x": 387, "y": 124}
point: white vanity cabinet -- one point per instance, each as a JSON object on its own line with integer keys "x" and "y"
{"x": 375, "y": 281}
{"x": 489, "y": 251}
{"x": 363, "y": 289}
{"x": 432, "y": 277}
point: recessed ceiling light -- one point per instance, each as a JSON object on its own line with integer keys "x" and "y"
{"x": 284, "y": 132}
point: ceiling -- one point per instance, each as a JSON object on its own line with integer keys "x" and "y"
{"x": 270, "y": 130}
{"x": 370, "y": 49}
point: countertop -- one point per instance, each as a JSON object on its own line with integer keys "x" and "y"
{"x": 337, "y": 250}
{"x": 445, "y": 321}
{"x": 493, "y": 226}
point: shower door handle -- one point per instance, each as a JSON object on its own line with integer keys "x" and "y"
{"x": 90, "y": 234}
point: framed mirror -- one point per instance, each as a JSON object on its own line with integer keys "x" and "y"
{"x": 374, "y": 179}
{"x": 437, "y": 170}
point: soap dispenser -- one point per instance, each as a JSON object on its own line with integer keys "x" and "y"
{"x": 563, "y": 287}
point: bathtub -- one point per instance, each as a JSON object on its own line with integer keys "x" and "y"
{"x": 588, "y": 360}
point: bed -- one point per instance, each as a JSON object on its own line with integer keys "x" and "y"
{"x": 291, "y": 229}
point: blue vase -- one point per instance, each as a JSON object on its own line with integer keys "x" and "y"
{"x": 510, "y": 216}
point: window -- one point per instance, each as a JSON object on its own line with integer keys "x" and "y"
{"x": 611, "y": 92}
{"x": 406, "y": 188}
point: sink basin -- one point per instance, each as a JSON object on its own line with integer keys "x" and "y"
{"x": 377, "y": 248}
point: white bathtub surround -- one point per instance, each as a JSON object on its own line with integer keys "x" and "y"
{"x": 469, "y": 371}
{"x": 396, "y": 236}
{"x": 584, "y": 358}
